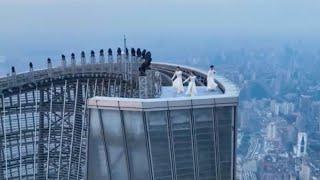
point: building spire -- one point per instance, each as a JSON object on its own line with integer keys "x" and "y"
{"x": 124, "y": 42}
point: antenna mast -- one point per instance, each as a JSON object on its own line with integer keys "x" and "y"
{"x": 125, "y": 42}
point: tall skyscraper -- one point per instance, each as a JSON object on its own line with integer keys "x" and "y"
{"x": 271, "y": 131}
{"x": 302, "y": 144}
{"x": 275, "y": 107}
{"x": 171, "y": 136}
{"x": 305, "y": 172}
{"x": 115, "y": 119}
{"x": 305, "y": 103}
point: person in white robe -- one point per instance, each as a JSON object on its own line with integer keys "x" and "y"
{"x": 192, "y": 87}
{"x": 211, "y": 84}
{"x": 177, "y": 81}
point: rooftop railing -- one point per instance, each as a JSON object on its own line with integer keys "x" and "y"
{"x": 123, "y": 65}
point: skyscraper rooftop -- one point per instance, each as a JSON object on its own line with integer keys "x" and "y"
{"x": 54, "y": 119}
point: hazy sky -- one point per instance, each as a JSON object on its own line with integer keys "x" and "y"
{"x": 37, "y": 28}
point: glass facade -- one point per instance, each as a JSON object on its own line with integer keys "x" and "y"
{"x": 45, "y": 124}
{"x": 181, "y": 140}
{"x": 223, "y": 116}
{"x": 159, "y": 139}
{"x": 136, "y": 145}
{"x": 205, "y": 143}
{"x": 178, "y": 144}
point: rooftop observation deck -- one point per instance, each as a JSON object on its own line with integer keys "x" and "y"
{"x": 226, "y": 94}
{"x": 110, "y": 70}
{"x": 124, "y": 68}
{"x": 226, "y": 88}
{"x": 54, "y": 102}
{"x": 113, "y": 70}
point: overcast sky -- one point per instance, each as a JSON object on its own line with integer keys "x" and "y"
{"x": 46, "y": 27}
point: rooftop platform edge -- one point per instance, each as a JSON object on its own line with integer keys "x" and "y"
{"x": 100, "y": 102}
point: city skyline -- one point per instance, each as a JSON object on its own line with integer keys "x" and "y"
{"x": 35, "y": 30}
{"x": 269, "y": 49}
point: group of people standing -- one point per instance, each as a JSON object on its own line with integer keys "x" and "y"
{"x": 177, "y": 82}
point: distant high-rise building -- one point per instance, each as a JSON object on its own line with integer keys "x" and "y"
{"x": 291, "y": 134}
{"x": 318, "y": 124}
{"x": 305, "y": 103}
{"x": 271, "y": 131}
{"x": 305, "y": 172}
{"x": 269, "y": 169}
{"x": 300, "y": 122}
{"x": 275, "y": 107}
{"x": 301, "y": 148}
{"x": 315, "y": 117}
{"x": 286, "y": 108}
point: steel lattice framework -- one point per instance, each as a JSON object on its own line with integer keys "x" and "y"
{"x": 43, "y": 127}
{"x": 43, "y": 132}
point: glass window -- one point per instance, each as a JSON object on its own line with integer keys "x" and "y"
{"x": 205, "y": 143}
{"x": 224, "y": 115}
{"x": 115, "y": 144}
{"x": 97, "y": 155}
{"x": 136, "y": 142}
{"x": 225, "y": 170}
{"x": 159, "y": 142}
{"x": 224, "y": 118}
{"x": 182, "y": 143}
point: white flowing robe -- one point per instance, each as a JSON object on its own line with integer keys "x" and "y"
{"x": 211, "y": 84}
{"x": 177, "y": 82}
{"x": 192, "y": 87}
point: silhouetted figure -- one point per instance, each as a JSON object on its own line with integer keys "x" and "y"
{"x": 83, "y": 58}
{"x": 30, "y": 66}
{"x": 146, "y": 64}
{"x": 109, "y": 52}
{"x": 92, "y": 57}
{"x": 101, "y": 56}
{"x": 119, "y": 52}
{"x": 13, "y": 70}
{"x": 143, "y": 54}
{"x": 49, "y": 63}
{"x": 127, "y": 52}
{"x": 101, "y": 52}
{"x": 63, "y": 61}
{"x": 138, "y": 52}
{"x": 133, "y": 52}
{"x": 73, "y": 59}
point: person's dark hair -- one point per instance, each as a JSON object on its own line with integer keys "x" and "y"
{"x": 212, "y": 66}
{"x": 178, "y": 67}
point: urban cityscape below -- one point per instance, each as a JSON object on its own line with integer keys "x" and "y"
{"x": 270, "y": 50}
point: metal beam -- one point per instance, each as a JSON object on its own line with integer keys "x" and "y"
{"x": 49, "y": 136}
{"x": 5, "y": 135}
{"x": 62, "y": 125}
{"x": 74, "y": 121}
{"x": 20, "y": 136}
{"x": 125, "y": 145}
{"x": 35, "y": 132}
{"x": 82, "y": 128}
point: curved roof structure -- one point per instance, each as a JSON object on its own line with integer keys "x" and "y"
{"x": 44, "y": 129}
